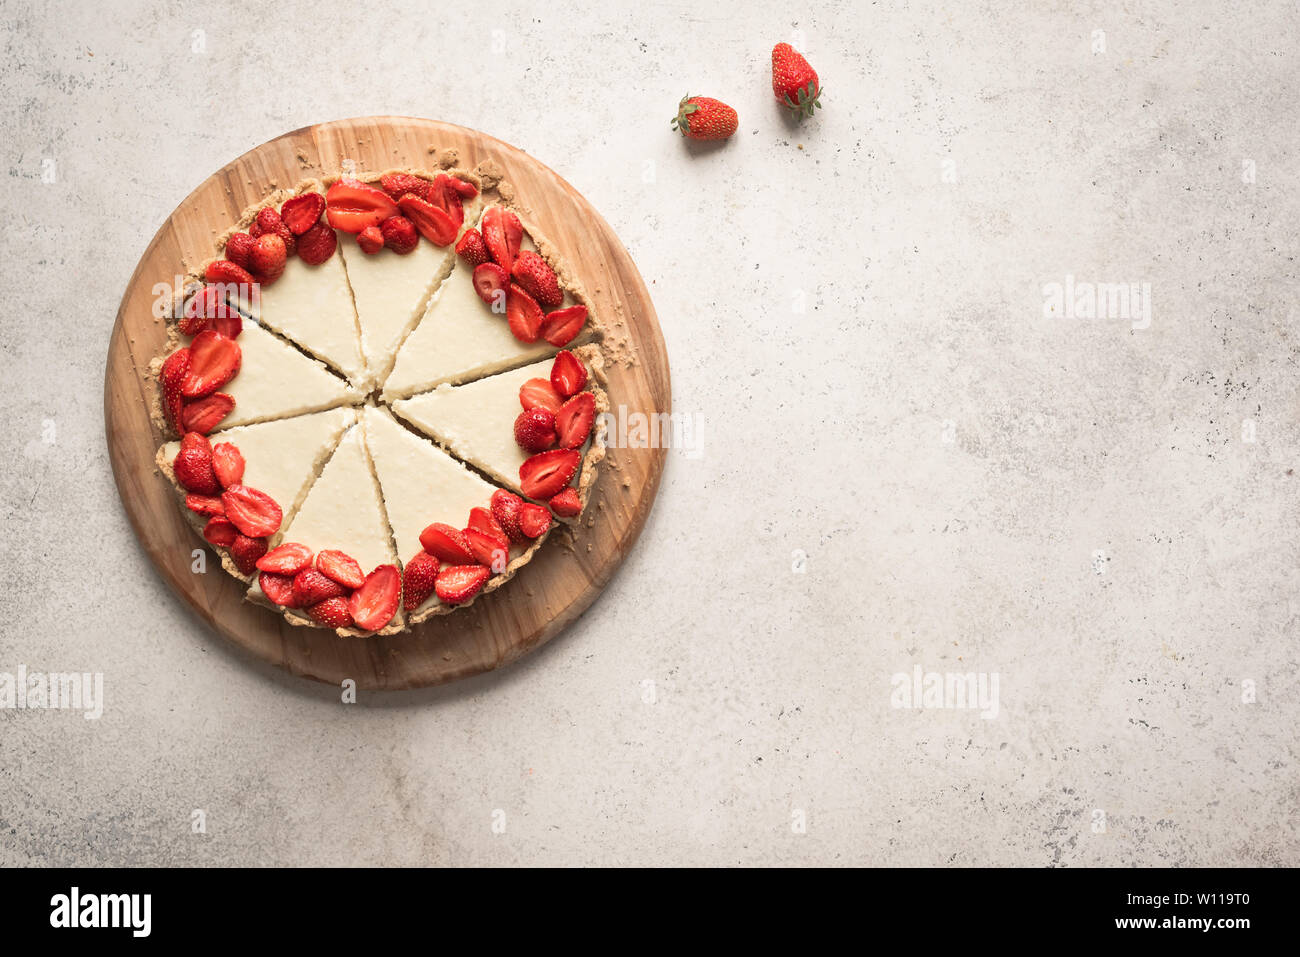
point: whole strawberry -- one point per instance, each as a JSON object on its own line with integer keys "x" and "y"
{"x": 794, "y": 82}
{"x": 703, "y": 118}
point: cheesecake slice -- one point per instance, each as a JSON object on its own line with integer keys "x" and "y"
{"x": 343, "y": 510}
{"x": 276, "y": 381}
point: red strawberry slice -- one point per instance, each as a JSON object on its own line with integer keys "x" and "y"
{"x": 214, "y": 361}
{"x": 220, "y": 531}
{"x": 332, "y": 613}
{"x": 310, "y": 587}
{"x": 459, "y": 583}
{"x": 433, "y": 223}
{"x": 535, "y": 430}
{"x": 228, "y": 463}
{"x": 505, "y": 509}
{"x": 203, "y": 307}
{"x": 503, "y": 234}
{"x": 534, "y": 520}
{"x": 268, "y": 258}
{"x": 447, "y": 544}
{"x": 417, "y": 580}
{"x": 193, "y": 470}
{"x": 543, "y": 475}
{"x": 536, "y": 276}
{"x": 573, "y": 421}
{"x": 374, "y": 604}
{"x": 568, "y": 374}
{"x": 230, "y": 325}
{"x": 225, "y": 271}
{"x": 287, "y": 559}
{"x": 238, "y": 248}
{"x": 444, "y": 196}
{"x": 561, "y": 326}
{"x": 566, "y": 504}
{"x": 467, "y": 190}
{"x": 268, "y": 223}
{"x": 399, "y": 234}
{"x": 301, "y": 213}
{"x": 484, "y": 521}
{"x": 352, "y": 206}
{"x": 205, "y": 414}
{"x": 492, "y": 285}
{"x": 397, "y": 185}
{"x": 317, "y": 244}
{"x": 193, "y": 440}
{"x": 170, "y": 377}
{"x": 254, "y": 513}
{"x": 245, "y": 552}
{"x": 371, "y": 240}
{"x": 205, "y": 505}
{"x": 524, "y": 314}
{"x": 539, "y": 394}
{"x": 488, "y": 549}
{"x": 340, "y": 567}
{"x": 472, "y": 249}
{"x": 278, "y": 588}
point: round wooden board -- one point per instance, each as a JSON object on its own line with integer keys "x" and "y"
{"x": 551, "y": 591}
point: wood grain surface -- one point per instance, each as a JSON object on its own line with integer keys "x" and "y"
{"x": 561, "y": 582}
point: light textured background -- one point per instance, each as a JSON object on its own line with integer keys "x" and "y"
{"x": 1119, "y": 691}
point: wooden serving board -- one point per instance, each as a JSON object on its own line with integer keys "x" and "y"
{"x": 550, "y": 592}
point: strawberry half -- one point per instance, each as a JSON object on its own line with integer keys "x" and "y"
{"x": 238, "y": 247}
{"x": 397, "y": 185}
{"x": 352, "y": 206}
{"x": 220, "y": 531}
{"x": 484, "y": 521}
{"x": 278, "y": 588}
{"x": 225, "y": 271}
{"x": 568, "y": 374}
{"x": 332, "y": 613}
{"x": 537, "y": 277}
{"x": 472, "y": 249}
{"x": 523, "y": 313}
{"x": 567, "y": 504}
{"x": 445, "y": 196}
{"x": 317, "y": 244}
{"x": 534, "y": 520}
{"x": 245, "y": 551}
{"x": 287, "y": 559}
{"x": 545, "y": 474}
{"x": 170, "y": 377}
{"x": 399, "y": 234}
{"x": 254, "y": 513}
{"x": 447, "y": 544}
{"x": 465, "y": 189}
{"x": 459, "y": 583}
{"x": 371, "y": 240}
{"x": 573, "y": 421}
{"x": 209, "y": 505}
{"x": 560, "y": 327}
{"x": 492, "y": 285}
{"x": 228, "y": 463}
{"x": 301, "y": 213}
{"x": 268, "y": 258}
{"x": 488, "y": 550}
{"x": 433, "y": 223}
{"x": 535, "y": 430}
{"x": 203, "y": 307}
{"x": 417, "y": 580}
{"x": 539, "y": 394}
{"x": 505, "y": 509}
{"x": 193, "y": 470}
{"x": 340, "y": 567}
{"x": 214, "y": 361}
{"x": 374, "y": 604}
{"x": 503, "y": 234}
{"x": 310, "y": 587}
{"x": 203, "y": 415}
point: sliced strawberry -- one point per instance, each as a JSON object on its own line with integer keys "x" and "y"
{"x": 332, "y": 613}
{"x": 371, "y": 240}
{"x": 287, "y": 559}
{"x": 193, "y": 440}
{"x": 536, "y": 276}
{"x": 492, "y": 285}
{"x": 203, "y": 307}
{"x": 302, "y": 212}
{"x": 228, "y": 463}
{"x": 534, "y": 520}
{"x": 352, "y": 206}
{"x": 374, "y": 604}
{"x": 503, "y": 234}
{"x": 340, "y": 567}
{"x": 545, "y": 474}
{"x": 397, "y": 185}
{"x": 205, "y": 504}
{"x": 524, "y": 314}
{"x": 254, "y": 513}
{"x": 505, "y": 509}
{"x": 488, "y": 549}
{"x": 535, "y": 430}
{"x": 310, "y": 587}
{"x": 485, "y": 522}
{"x": 267, "y": 223}
{"x": 399, "y": 234}
{"x": 245, "y": 551}
{"x": 170, "y": 377}
{"x": 473, "y": 250}
{"x": 567, "y": 504}
{"x": 193, "y": 470}
{"x": 278, "y": 588}
{"x": 317, "y": 244}
{"x": 540, "y": 394}
{"x": 433, "y": 223}
{"x": 225, "y": 271}
{"x": 214, "y": 361}
{"x": 417, "y": 580}
{"x": 561, "y": 326}
{"x": 230, "y": 325}
{"x": 204, "y": 415}
{"x": 466, "y": 189}
{"x": 268, "y": 258}
{"x": 220, "y": 531}
{"x": 445, "y": 196}
{"x": 568, "y": 374}
{"x": 459, "y": 583}
{"x": 573, "y": 421}
{"x": 238, "y": 248}
{"x": 447, "y": 544}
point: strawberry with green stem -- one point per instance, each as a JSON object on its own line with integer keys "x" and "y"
{"x": 794, "y": 82}
{"x": 704, "y": 118}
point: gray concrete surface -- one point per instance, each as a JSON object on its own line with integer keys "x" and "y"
{"x": 906, "y": 462}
